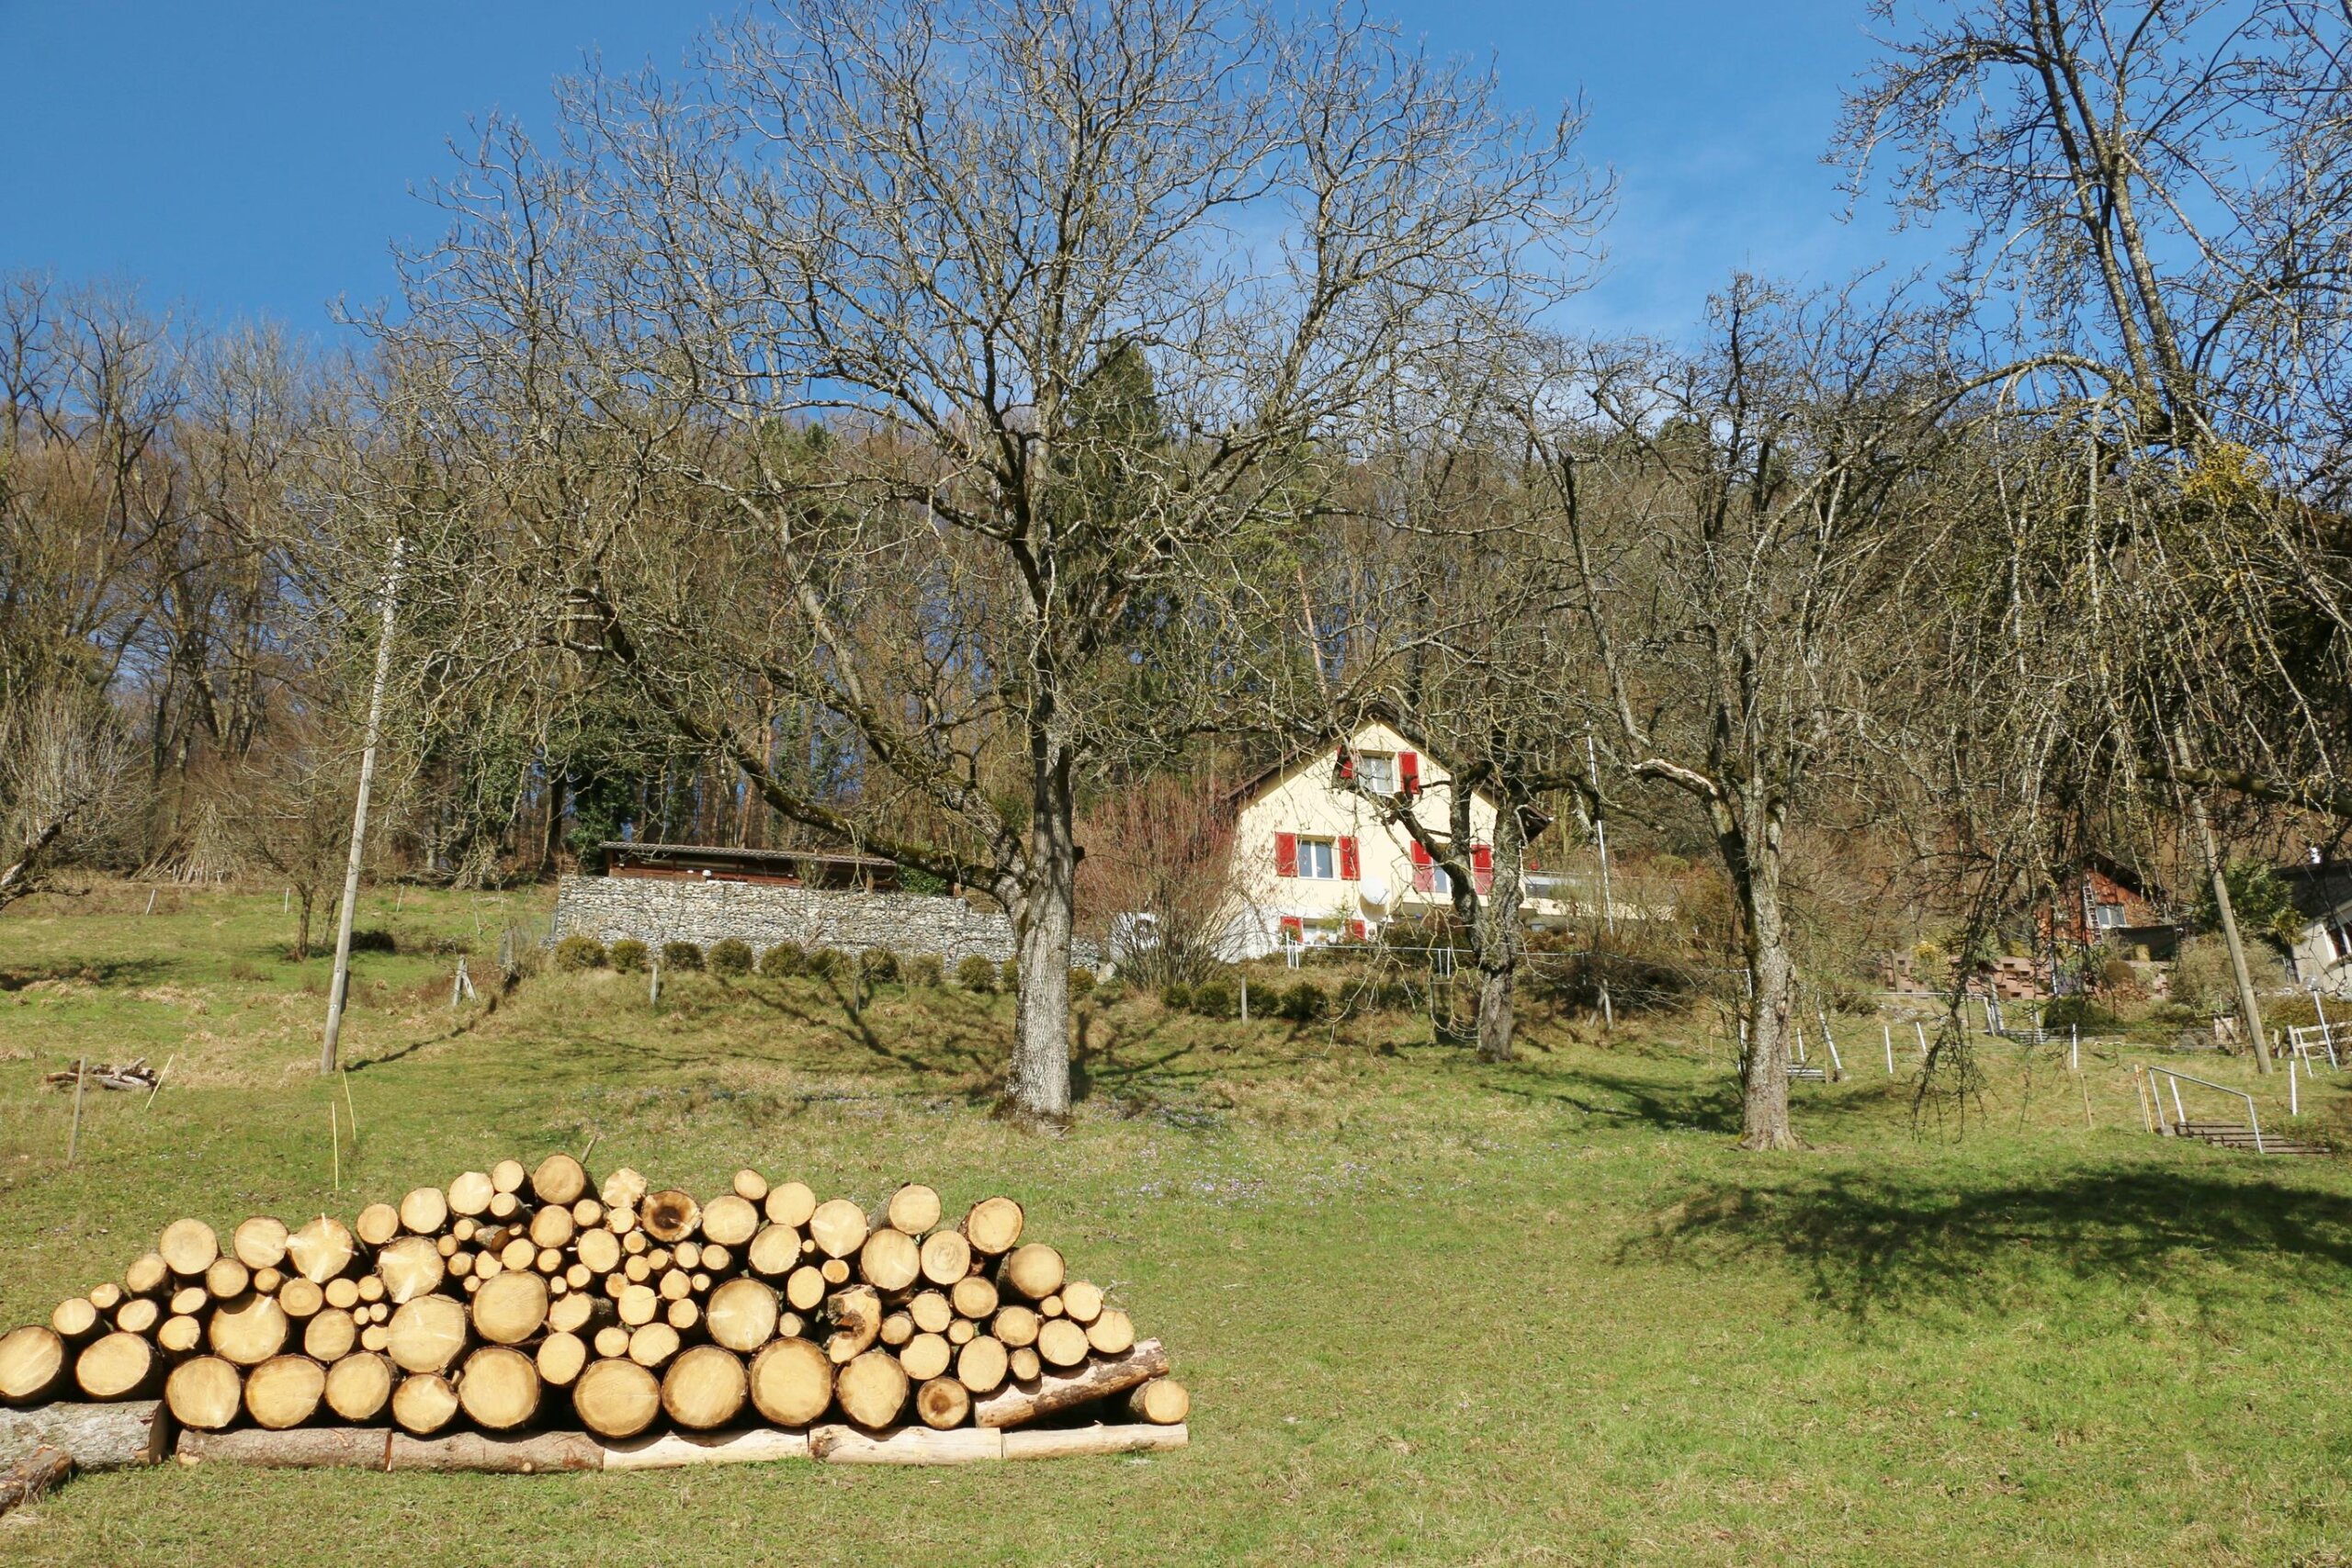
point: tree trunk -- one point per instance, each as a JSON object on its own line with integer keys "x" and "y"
{"x": 1498, "y": 935}
{"x": 1750, "y": 845}
{"x": 1043, "y": 925}
{"x": 2249, "y": 1005}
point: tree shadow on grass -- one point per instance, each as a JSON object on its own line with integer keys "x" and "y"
{"x": 85, "y": 971}
{"x": 1876, "y": 1242}
{"x": 1627, "y": 1100}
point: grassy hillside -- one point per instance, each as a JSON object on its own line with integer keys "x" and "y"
{"x": 1431, "y": 1312}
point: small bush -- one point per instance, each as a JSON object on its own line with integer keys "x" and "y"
{"x": 1214, "y": 999}
{"x": 1392, "y": 996}
{"x": 574, "y": 953}
{"x": 924, "y": 969}
{"x": 783, "y": 960}
{"x": 2076, "y": 1013}
{"x": 377, "y": 940}
{"x": 829, "y": 963}
{"x": 879, "y": 965}
{"x": 1081, "y": 982}
{"x": 627, "y": 956}
{"x": 1303, "y": 1001}
{"x": 976, "y": 973}
{"x": 730, "y": 957}
{"x": 1176, "y": 995}
{"x": 681, "y": 955}
{"x": 1010, "y": 975}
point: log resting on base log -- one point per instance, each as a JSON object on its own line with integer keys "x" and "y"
{"x": 1070, "y": 1442}
{"x": 907, "y": 1445}
{"x": 100, "y": 1436}
{"x": 34, "y": 1474}
{"x": 1014, "y": 1405}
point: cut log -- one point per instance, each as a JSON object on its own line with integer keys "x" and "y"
{"x": 321, "y": 1250}
{"x": 1083, "y": 1301}
{"x": 624, "y": 1188}
{"x": 227, "y": 1279}
{"x": 559, "y": 1179}
{"x": 504, "y": 1205}
{"x": 105, "y": 1297}
{"x": 1023, "y": 1365}
{"x": 914, "y": 1209}
{"x": 742, "y": 1315}
{"x": 343, "y": 1293}
{"x": 897, "y": 1329}
{"x": 100, "y": 1436}
{"x": 908, "y": 1445}
{"x": 180, "y": 1335}
{"x": 285, "y": 1392}
{"x": 499, "y": 1388}
{"x": 792, "y": 1382}
{"x": 730, "y": 1220}
{"x": 190, "y": 1299}
{"x": 511, "y": 1308}
{"x": 410, "y": 1268}
{"x": 834, "y": 1270}
{"x": 683, "y": 1315}
{"x": 750, "y": 1185}
{"x": 470, "y": 1195}
{"x": 838, "y": 1228}
{"x": 890, "y": 1261}
{"x": 267, "y": 1281}
{"x": 189, "y": 1247}
{"x": 775, "y": 1250}
{"x": 75, "y": 1317}
{"x": 993, "y": 1225}
{"x": 599, "y": 1249}
{"x": 115, "y": 1365}
{"x": 1112, "y": 1333}
{"x": 359, "y": 1386}
{"x": 941, "y": 1402}
{"x": 704, "y": 1388}
{"x": 980, "y": 1365}
{"x": 669, "y": 1217}
{"x": 790, "y": 1204}
{"x": 611, "y": 1341}
{"x": 427, "y": 1335}
{"x": 573, "y": 1312}
{"x": 804, "y": 1289}
{"x": 961, "y": 1331}
{"x": 975, "y": 1296}
{"x": 300, "y": 1297}
{"x": 553, "y": 1227}
{"x": 147, "y": 1274}
{"x": 1016, "y": 1325}
{"x": 650, "y": 1345}
{"x": 424, "y": 1402}
{"x": 424, "y": 1209}
{"x": 926, "y": 1356}
{"x": 930, "y": 1312}
{"x": 1019, "y": 1404}
{"x": 1073, "y": 1442}
{"x": 559, "y": 1359}
{"x": 678, "y": 1450}
{"x": 138, "y": 1315}
{"x": 205, "y": 1393}
{"x": 1051, "y": 1306}
{"x": 675, "y": 1285}
{"x": 857, "y": 1323}
{"x": 586, "y": 1212}
{"x": 506, "y": 1177}
{"x": 377, "y": 1224}
{"x": 330, "y": 1336}
{"x": 1061, "y": 1343}
{"x": 259, "y": 1243}
{"x": 946, "y": 1257}
{"x": 317, "y": 1447}
{"x": 249, "y": 1330}
{"x": 640, "y": 1304}
{"x": 872, "y": 1389}
{"x": 1163, "y": 1402}
{"x": 33, "y": 1476}
{"x": 1034, "y": 1270}
{"x": 616, "y": 1398}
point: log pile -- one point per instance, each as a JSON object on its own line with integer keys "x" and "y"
{"x": 518, "y": 1300}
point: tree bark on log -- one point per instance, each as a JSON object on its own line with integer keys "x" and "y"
{"x": 1017, "y": 1404}
{"x": 677, "y": 1450}
{"x": 100, "y": 1436}
{"x": 907, "y": 1445}
{"x": 34, "y": 1474}
{"x": 1070, "y": 1442}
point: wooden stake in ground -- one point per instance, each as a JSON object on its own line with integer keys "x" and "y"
{"x": 74, "y": 1137}
{"x": 339, "y": 988}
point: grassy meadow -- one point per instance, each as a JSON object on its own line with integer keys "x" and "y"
{"x": 1429, "y": 1312}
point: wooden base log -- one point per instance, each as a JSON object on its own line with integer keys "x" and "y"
{"x": 34, "y": 1474}
{"x": 499, "y": 1388}
{"x": 792, "y": 1383}
{"x": 1162, "y": 1401}
{"x": 730, "y": 1220}
{"x": 946, "y": 1257}
{"x": 1016, "y": 1405}
{"x": 704, "y": 1388}
{"x": 115, "y": 1366}
{"x": 941, "y": 1402}
{"x": 838, "y": 1228}
{"x": 32, "y": 1361}
{"x": 424, "y": 1402}
{"x": 559, "y": 1179}
{"x": 285, "y": 1392}
{"x": 511, "y": 1308}
{"x": 981, "y": 1364}
{"x": 188, "y": 1246}
{"x": 410, "y": 1268}
{"x": 559, "y": 1359}
{"x": 993, "y": 1225}
{"x": 1073, "y": 1442}
{"x": 890, "y": 1260}
{"x": 907, "y": 1445}
{"x": 249, "y": 1330}
{"x": 359, "y": 1386}
{"x": 537, "y": 1454}
{"x": 872, "y": 1389}
{"x": 1035, "y": 1271}
{"x": 330, "y": 1336}
{"x": 315, "y": 1447}
{"x": 321, "y": 1250}
{"x": 742, "y": 1315}
{"x": 677, "y": 1450}
{"x": 100, "y": 1436}
{"x": 205, "y": 1393}
{"x": 789, "y": 1203}
{"x": 669, "y": 1217}
{"x": 427, "y": 1334}
{"x": 616, "y": 1398}
{"x": 1061, "y": 1343}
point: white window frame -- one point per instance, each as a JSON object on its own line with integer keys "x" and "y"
{"x": 1328, "y": 849}
{"x": 1376, "y": 771}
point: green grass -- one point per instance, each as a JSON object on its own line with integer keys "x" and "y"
{"x": 1429, "y": 1312}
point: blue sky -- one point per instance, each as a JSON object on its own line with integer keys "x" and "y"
{"x": 252, "y": 159}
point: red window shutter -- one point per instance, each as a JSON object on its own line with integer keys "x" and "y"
{"x": 1356, "y": 930}
{"x": 1347, "y": 764}
{"x": 1424, "y": 873}
{"x": 1409, "y": 773}
{"x": 1294, "y": 927}
{"x": 1482, "y": 867}
{"x": 1350, "y": 867}
{"x": 1285, "y": 854}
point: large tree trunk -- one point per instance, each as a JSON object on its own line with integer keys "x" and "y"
{"x": 1042, "y": 928}
{"x": 1750, "y": 845}
{"x": 1498, "y": 936}
{"x": 2216, "y": 869}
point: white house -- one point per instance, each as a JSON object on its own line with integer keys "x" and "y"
{"x": 1315, "y": 862}
{"x": 2322, "y": 948}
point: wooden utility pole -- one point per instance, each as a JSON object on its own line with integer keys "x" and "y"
{"x": 341, "y": 985}
{"x": 2216, "y": 870}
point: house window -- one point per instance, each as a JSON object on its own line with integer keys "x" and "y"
{"x": 1376, "y": 772}
{"x": 1315, "y": 859}
{"x": 2339, "y": 939}
{"x": 2108, "y": 917}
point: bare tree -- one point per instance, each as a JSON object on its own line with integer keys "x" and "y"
{"x": 65, "y": 764}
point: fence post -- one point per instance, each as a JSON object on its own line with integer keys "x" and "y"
{"x": 2074, "y": 1048}
{"x": 1886, "y": 1034}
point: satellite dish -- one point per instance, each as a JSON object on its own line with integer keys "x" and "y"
{"x": 1374, "y": 892}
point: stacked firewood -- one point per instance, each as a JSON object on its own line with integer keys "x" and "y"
{"x": 515, "y": 1298}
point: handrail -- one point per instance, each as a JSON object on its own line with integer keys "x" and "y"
{"x": 2252, "y": 1119}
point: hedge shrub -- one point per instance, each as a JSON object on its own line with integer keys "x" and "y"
{"x": 731, "y": 957}
{"x": 783, "y": 960}
{"x": 574, "y": 953}
{"x": 681, "y": 955}
{"x": 627, "y": 956}
{"x": 976, "y": 973}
